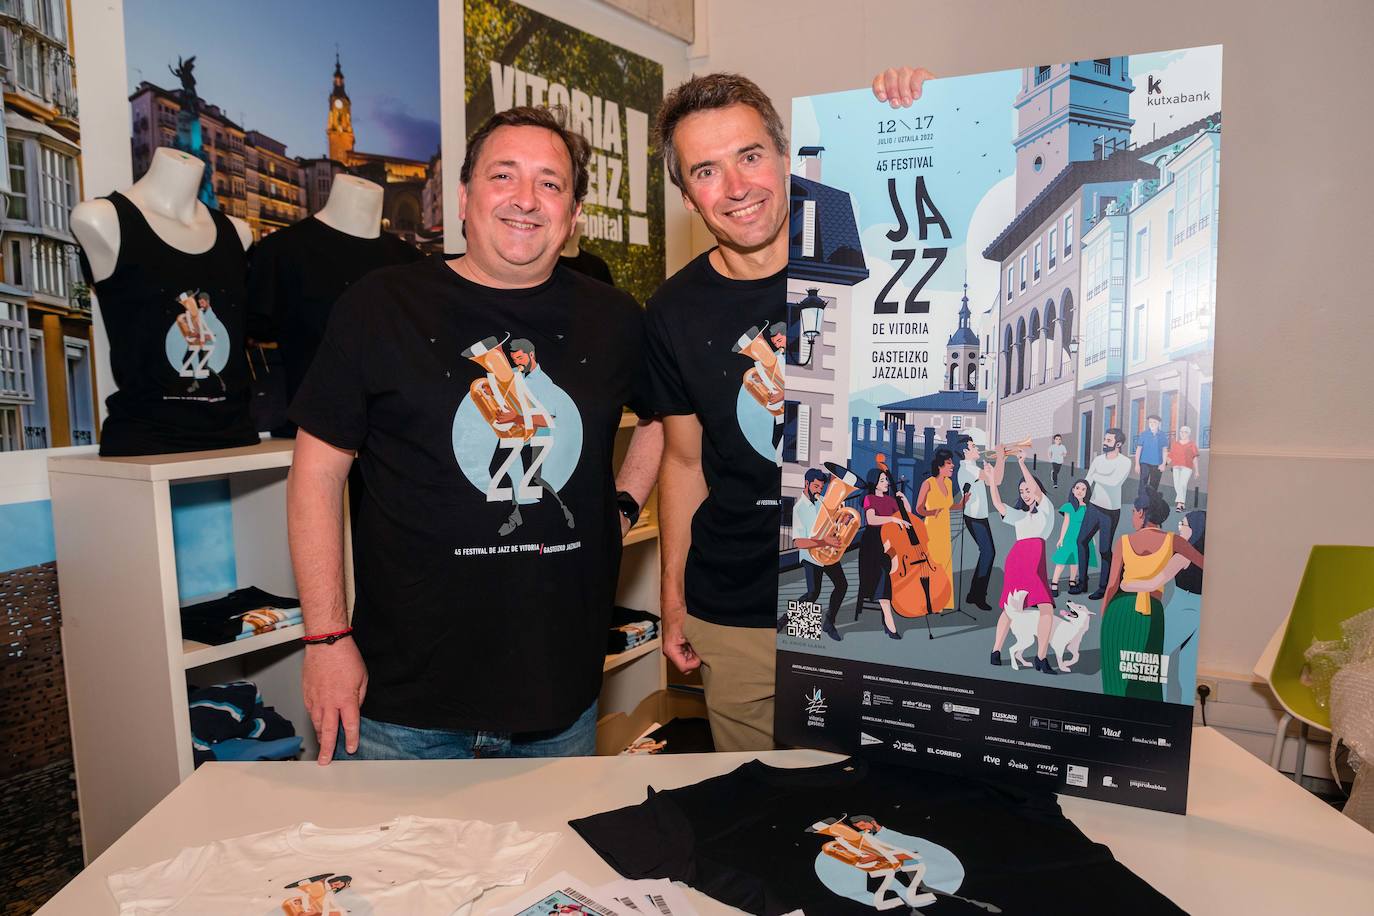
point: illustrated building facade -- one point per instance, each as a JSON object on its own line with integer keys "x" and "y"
{"x": 1151, "y": 275}
{"x": 825, "y": 262}
{"x": 1071, "y": 118}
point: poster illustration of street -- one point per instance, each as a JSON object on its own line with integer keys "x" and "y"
{"x": 997, "y": 423}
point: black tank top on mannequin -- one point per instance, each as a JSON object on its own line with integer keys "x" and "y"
{"x": 175, "y": 322}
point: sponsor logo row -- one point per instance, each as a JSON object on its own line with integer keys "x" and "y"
{"x": 967, "y": 712}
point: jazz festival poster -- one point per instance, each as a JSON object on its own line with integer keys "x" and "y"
{"x": 996, "y": 434}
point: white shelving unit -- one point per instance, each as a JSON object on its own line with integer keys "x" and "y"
{"x": 635, "y": 674}
{"x": 127, "y": 665}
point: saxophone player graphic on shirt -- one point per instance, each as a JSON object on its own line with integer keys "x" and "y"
{"x": 525, "y": 428}
{"x": 193, "y": 342}
{"x": 762, "y": 391}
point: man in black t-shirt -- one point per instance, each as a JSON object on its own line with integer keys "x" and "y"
{"x": 715, "y": 372}
{"x": 486, "y": 548}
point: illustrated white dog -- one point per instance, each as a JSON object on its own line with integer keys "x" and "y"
{"x": 1065, "y": 636}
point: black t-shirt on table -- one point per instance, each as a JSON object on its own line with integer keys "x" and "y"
{"x": 706, "y": 333}
{"x": 471, "y": 615}
{"x": 857, "y": 836}
{"x": 297, "y": 275}
{"x": 175, "y": 322}
{"x": 584, "y": 262}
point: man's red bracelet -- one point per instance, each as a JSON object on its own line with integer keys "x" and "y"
{"x": 327, "y": 639}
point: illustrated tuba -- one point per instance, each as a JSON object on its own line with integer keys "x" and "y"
{"x": 836, "y": 519}
{"x": 756, "y": 346}
{"x": 491, "y": 400}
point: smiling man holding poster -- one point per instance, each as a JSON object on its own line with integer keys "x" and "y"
{"x": 713, "y": 366}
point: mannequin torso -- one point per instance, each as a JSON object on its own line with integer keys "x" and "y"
{"x": 166, "y": 196}
{"x": 354, "y": 207}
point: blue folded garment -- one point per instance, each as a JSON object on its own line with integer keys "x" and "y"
{"x": 252, "y": 749}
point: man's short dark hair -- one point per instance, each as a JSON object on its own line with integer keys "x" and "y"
{"x": 705, "y": 93}
{"x": 521, "y": 344}
{"x": 551, "y": 119}
{"x": 1119, "y": 436}
{"x": 814, "y": 474}
{"x": 963, "y": 443}
{"x": 1154, "y": 416}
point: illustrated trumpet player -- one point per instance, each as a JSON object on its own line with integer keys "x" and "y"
{"x": 974, "y": 478}
{"x": 194, "y": 325}
{"x": 822, "y": 529}
{"x": 766, "y": 345}
{"x": 524, "y": 427}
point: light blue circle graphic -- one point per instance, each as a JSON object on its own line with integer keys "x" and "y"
{"x": 943, "y": 869}
{"x": 757, "y": 425}
{"x": 475, "y": 442}
{"x": 213, "y": 355}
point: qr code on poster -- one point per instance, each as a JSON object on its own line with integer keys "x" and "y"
{"x": 804, "y": 619}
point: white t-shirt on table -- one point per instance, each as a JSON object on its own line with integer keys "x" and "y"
{"x": 405, "y": 866}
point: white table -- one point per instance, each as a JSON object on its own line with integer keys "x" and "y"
{"x": 1254, "y": 843}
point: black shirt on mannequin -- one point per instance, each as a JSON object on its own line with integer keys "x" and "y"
{"x": 175, "y": 321}
{"x": 296, "y": 276}
{"x": 584, "y": 262}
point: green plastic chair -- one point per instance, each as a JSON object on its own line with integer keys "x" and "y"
{"x": 1337, "y": 584}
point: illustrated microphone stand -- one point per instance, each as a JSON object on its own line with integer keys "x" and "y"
{"x": 960, "y": 588}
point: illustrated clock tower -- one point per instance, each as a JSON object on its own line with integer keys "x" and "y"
{"x": 961, "y": 353}
{"x": 340, "y": 129}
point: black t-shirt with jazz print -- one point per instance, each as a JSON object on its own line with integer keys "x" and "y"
{"x": 487, "y": 544}
{"x": 175, "y": 322}
{"x": 857, "y": 837}
{"x": 715, "y": 349}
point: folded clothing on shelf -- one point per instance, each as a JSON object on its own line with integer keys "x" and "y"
{"x": 228, "y": 720}
{"x": 242, "y": 613}
{"x": 630, "y": 628}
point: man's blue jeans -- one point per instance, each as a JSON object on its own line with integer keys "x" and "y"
{"x": 386, "y": 741}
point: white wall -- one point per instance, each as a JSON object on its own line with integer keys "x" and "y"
{"x": 1293, "y": 332}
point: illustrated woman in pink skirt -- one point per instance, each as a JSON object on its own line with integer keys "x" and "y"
{"x": 1033, "y": 518}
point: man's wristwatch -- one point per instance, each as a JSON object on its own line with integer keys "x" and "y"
{"x": 627, "y": 506}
